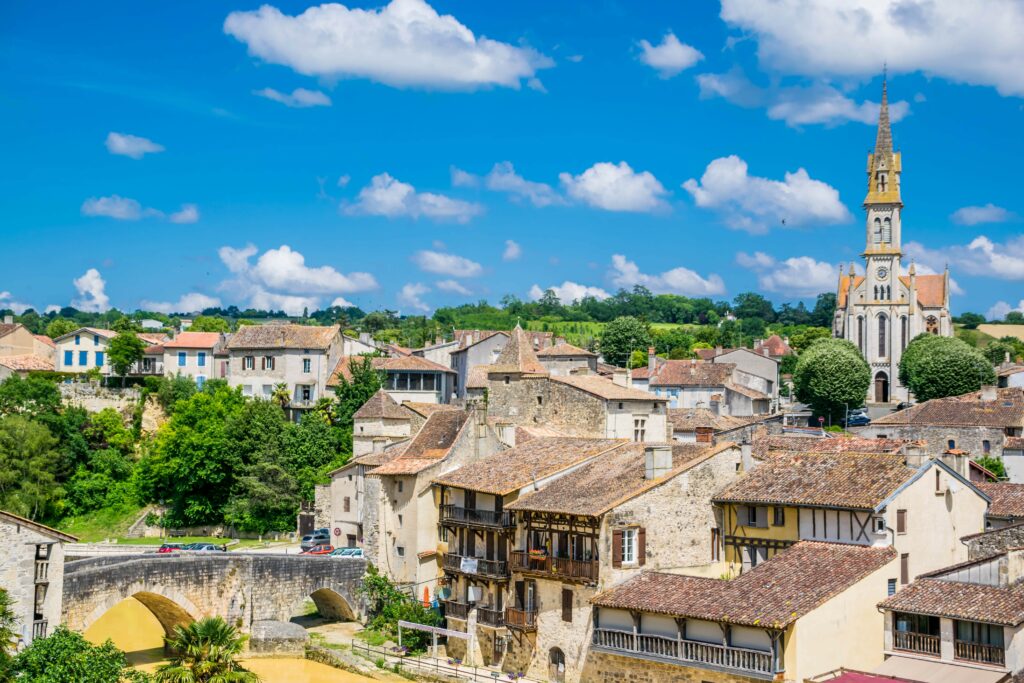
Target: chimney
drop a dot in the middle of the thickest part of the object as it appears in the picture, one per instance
(747, 455)
(1014, 567)
(988, 392)
(620, 378)
(657, 461)
(705, 435)
(652, 359)
(8, 319)
(718, 350)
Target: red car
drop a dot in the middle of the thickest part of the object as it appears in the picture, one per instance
(320, 550)
(171, 547)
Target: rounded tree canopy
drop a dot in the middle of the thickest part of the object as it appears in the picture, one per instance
(937, 367)
(831, 376)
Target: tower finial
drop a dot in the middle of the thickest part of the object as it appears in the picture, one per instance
(883, 143)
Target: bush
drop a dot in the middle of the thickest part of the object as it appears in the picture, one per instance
(831, 375)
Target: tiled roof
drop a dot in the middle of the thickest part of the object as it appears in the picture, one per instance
(967, 410)
(430, 445)
(1011, 370)
(152, 338)
(518, 355)
(784, 445)
(1007, 498)
(610, 480)
(605, 388)
(7, 328)
(380, 405)
(931, 289)
(26, 363)
(194, 340)
(861, 481)
(1014, 442)
(477, 377)
(427, 409)
(466, 338)
(689, 419)
(153, 350)
(958, 600)
(774, 594)
(687, 373)
(98, 331)
(386, 364)
(511, 470)
(746, 391)
(775, 345)
(283, 337)
(43, 338)
(564, 349)
(36, 526)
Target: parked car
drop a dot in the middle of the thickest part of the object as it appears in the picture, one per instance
(319, 550)
(205, 548)
(317, 538)
(903, 405)
(170, 548)
(858, 420)
(858, 411)
(348, 552)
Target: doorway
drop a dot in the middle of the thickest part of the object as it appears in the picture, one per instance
(881, 388)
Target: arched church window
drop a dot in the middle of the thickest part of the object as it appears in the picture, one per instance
(882, 182)
(883, 324)
(887, 230)
(904, 332)
(931, 325)
(860, 333)
(877, 233)
(876, 292)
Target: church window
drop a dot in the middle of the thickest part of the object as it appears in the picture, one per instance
(931, 325)
(904, 331)
(883, 323)
(876, 292)
(860, 333)
(887, 230)
(882, 181)
(878, 231)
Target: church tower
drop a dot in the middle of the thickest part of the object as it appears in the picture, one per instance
(883, 206)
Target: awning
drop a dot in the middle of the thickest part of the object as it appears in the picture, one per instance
(934, 671)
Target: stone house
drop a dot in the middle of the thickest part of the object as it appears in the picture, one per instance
(22, 352)
(406, 378)
(478, 532)
(476, 348)
(721, 387)
(960, 623)
(566, 359)
(808, 610)
(191, 354)
(856, 498)
(32, 572)
(640, 506)
(702, 425)
(300, 356)
(1006, 506)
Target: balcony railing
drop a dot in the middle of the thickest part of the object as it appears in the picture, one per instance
(489, 518)
(979, 652)
(38, 629)
(562, 567)
(490, 617)
(42, 571)
(522, 619)
(737, 658)
(457, 610)
(476, 566)
(921, 643)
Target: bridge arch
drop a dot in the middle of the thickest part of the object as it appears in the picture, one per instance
(330, 604)
(170, 607)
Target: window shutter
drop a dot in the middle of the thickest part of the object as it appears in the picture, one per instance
(901, 521)
(617, 548)
(567, 604)
(904, 568)
(641, 546)
(348, 504)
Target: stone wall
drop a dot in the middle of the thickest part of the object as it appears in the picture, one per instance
(561, 406)
(602, 667)
(969, 439)
(17, 575)
(995, 541)
(519, 652)
(94, 398)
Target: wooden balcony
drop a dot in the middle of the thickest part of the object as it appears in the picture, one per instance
(476, 566)
(560, 567)
(521, 619)
(42, 571)
(755, 663)
(979, 653)
(39, 629)
(919, 643)
(453, 514)
(495, 618)
(456, 610)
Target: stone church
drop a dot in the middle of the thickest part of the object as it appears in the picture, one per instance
(882, 309)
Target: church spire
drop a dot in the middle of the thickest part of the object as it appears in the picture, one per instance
(883, 142)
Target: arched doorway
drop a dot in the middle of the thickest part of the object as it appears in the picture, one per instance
(881, 387)
(556, 665)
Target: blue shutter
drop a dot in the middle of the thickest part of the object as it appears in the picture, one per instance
(181, 359)
(78, 340)
(95, 340)
(83, 358)
(69, 358)
(201, 359)
(99, 359)
(200, 381)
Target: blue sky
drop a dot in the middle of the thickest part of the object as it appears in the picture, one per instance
(414, 155)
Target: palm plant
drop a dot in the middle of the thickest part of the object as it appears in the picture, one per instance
(281, 395)
(206, 651)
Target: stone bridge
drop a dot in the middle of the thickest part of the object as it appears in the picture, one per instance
(242, 588)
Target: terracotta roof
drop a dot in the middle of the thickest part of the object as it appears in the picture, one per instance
(154, 350)
(518, 355)
(775, 345)
(283, 337)
(611, 479)
(380, 405)
(430, 445)
(1013, 442)
(1007, 499)
(686, 373)
(26, 363)
(931, 289)
(707, 354)
(967, 410)
(689, 419)
(564, 349)
(427, 409)
(511, 470)
(774, 594)
(194, 340)
(36, 526)
(7, 328)
(861, 481)
(958, 600)
(385, 364)
(1011, 370)
(746, 391)
(151, 338)
(784, 445)
(602, 387)
(607, 368)
(467, 338)
(477, 377)
(398, 350)
(43, 338)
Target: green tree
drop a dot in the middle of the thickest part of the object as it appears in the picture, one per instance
(58, 327)
(387, 606)
(312, 449)
(1015, 318)
(174, 389)
(32, 396)
(205, 651)
(752, 305)
(824, 310)
(67, 656)
(830, 376)
(937, 367)
(993, 465)
(997, 350)
(125, 350)
(126, 324)
(106, 429)
(281, 395)
(621, 337)
(970, 320)
(8, 635)
(209, 323)
(28, 458)
(807, 336)
(353, 393)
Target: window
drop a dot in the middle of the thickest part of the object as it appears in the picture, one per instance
(83, 358)
(78, 339)
(778, 516)
(951, 444)
(249, 362)
(200, 381)
(938, 481)
(307, 365)
(540, 400)
(891, 588)
(904, 622)
(883, 347)
(348, 504)
(506, 379)
(400, 551)
(268, 362)
(860, 333)
(69, 358)
(268, 390)
(246, 390)
(879, 525)
(901, 521)
(567, 605)
(716, 545)
(628, 546)
(95, 340)
(980, 634)
(931, 325)
(639, 429)
(431, 382)
(904, 332)
(181, 359)
(877, 232)
(201, 359)
(886, 224)
(400, 521)
(904, 569)
(99, 359)
(401, 485)
(986, 446)
(306, 393)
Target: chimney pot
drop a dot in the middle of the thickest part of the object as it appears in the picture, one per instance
(988, 393)
(8, 319)
(652, 359)
(657, 461)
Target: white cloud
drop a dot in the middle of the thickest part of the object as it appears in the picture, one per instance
(300, 98)
(405, 43)
(973, 215)
(52, 308)
(446, 264)
(114, 206)
(344, 180)
(797, 276)
(920, 97)
(503, 178)
(92, 294)
(512, 251)
(237, 259)
(462, 178)
(131, 145)
(981, 257)
(189, 213)
(670, 56)
(1001, 308)
(819, 103)
(616, 187)
(388, 196)
(753, 204)
(453, 286)
(567, 292)
(411, 296)
(968, 42)
(289, 303)
(342, 302)
(192, 302)
(7, 301)
(626, 274)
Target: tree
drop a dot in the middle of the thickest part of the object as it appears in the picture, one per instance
(997, 351)
(125, 350)
(993, 465)
(32, 396)
(937, 367)
(209, 323)
(28, 458)
(281, 395)
(830, 376)
(67, 656)
(1015, 318)
(824, 310)
(205, 651)
(126, 324)
(621, 337)
(8, 634)
(752, 305)
(387, 606)
(970, 320)
(353, 393)
(58, 327)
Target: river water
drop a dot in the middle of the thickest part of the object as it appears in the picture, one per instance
(134, 629)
